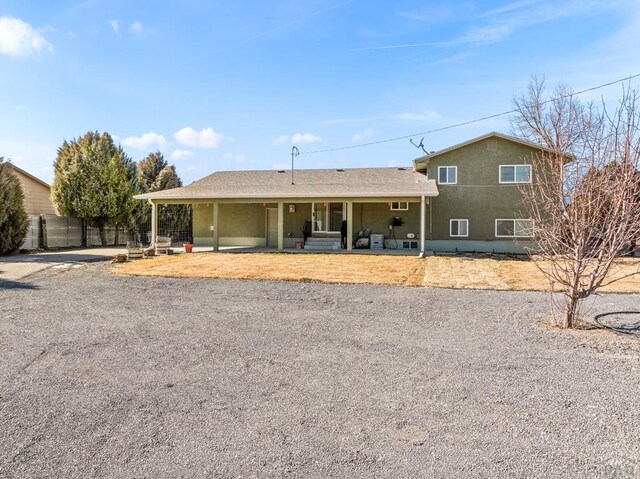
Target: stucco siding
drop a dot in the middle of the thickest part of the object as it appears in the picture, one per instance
(239, 224)
(478, 195)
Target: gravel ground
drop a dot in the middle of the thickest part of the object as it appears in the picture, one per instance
(106, 376)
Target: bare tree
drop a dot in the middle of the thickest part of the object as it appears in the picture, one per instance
(585, 194)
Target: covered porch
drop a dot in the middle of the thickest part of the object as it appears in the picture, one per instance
(309, 224)
(313, 209)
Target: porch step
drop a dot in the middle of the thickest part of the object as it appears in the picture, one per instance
(322, 243)
(322, 246)
(319, 234)
(324, 239)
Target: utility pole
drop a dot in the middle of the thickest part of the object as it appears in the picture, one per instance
(294, 152)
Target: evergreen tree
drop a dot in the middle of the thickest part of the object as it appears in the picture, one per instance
(94, 180)
(13, 215)
(155, 174)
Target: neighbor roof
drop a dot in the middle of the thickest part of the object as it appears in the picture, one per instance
(475, 140)
(348, 182)
(28, 175)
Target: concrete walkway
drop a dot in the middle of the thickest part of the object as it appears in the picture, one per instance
(19, 266)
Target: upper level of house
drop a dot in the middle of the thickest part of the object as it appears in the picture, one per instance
(493, 159)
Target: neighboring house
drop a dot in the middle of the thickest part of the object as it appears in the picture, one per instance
(463, 198)
(37, 193)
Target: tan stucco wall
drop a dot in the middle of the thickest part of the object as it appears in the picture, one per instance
(37, 197)
(294, 222)
(478, 196)
(237, 220)
(246, 222)
(378, 216)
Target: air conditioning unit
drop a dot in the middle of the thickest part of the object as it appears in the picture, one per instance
(376, 241)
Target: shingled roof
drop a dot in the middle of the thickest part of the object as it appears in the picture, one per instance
(322, 183)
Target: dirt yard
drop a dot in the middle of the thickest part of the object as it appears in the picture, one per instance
(435, 271)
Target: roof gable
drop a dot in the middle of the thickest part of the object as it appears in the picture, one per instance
(421, 161)
(28, 175)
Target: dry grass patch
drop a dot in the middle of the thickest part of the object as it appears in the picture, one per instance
(325, 268)
(503, 274)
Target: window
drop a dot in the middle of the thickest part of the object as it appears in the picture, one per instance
(514, 228)
(447, 175)
(515, 173)
(399, 205)
(458, 227)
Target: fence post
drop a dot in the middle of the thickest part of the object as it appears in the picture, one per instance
(45, 240)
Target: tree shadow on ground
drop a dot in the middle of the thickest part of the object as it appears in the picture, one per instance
(9, 284)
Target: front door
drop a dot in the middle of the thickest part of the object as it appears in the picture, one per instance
(328, 217)
(272, 227)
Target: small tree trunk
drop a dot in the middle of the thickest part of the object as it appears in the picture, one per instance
(103, 236)
(116, 240)
(571, 307)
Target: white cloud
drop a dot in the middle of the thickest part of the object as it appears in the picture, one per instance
(297, 139)
(368, 133)
(239, 159)
(305, 138)
(180, 155)
(427, 115)
(115, 25)
(19, 39)
(137, 28)
(145, 141)
(280, 166)
(205, 138)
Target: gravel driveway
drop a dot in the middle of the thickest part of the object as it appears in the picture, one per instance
(105, 376)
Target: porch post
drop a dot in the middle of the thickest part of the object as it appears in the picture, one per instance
(423, 210)
(349, 226)
(280, 226)
(216, 236)
(154, 222)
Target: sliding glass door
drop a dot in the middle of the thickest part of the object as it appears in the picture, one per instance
(328, 217)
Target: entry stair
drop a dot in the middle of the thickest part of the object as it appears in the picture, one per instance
(323, 242)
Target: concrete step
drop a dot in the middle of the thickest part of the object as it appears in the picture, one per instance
(324, 239)
(322, 246)
(320, 234)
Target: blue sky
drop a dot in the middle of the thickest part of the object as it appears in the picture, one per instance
(219, 85)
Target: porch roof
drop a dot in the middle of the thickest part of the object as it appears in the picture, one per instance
(346, 183)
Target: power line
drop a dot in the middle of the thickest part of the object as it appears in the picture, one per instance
(464, 123)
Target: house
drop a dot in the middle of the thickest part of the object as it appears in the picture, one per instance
(462, 198)
(37, 193)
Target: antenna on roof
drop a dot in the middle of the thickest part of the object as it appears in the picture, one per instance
(419, 145)
(294, 152)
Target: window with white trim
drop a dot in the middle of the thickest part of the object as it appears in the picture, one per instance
(514, 228)
(515, 173)
(399, 205)
(447, 175)
(459, 228)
